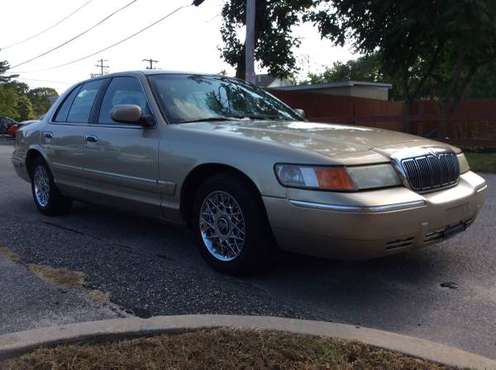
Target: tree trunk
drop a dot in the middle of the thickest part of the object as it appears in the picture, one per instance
(241, 66)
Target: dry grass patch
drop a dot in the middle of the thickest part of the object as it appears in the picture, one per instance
(69, 279)
(9, 254)
(99, 297)
(220, 349)
(62, 277)
(59, 276)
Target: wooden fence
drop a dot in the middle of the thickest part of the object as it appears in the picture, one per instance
(472, 125)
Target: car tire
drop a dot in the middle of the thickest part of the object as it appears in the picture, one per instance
(46, 195)
(231, 227)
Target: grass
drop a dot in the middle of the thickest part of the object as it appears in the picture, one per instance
(69, 279)
(482, 162)
(9, 254)
(60, 276)
(220, 349)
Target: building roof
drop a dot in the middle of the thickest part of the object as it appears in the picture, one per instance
(332, 85)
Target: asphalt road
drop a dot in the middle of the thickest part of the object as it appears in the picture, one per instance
(446, 293)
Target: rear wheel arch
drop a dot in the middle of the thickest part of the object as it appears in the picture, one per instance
(203, 172)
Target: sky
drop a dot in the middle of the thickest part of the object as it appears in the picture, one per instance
(187, 41)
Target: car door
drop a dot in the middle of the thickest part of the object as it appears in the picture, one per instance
(121, 160)
(63, 137)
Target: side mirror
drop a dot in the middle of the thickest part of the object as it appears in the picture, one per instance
(130, 113)
(301, 112)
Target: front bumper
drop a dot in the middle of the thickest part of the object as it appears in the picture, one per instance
(372, 223)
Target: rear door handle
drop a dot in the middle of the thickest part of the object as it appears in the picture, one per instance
(91, 139)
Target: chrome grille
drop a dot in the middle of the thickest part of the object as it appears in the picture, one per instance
(431, 171)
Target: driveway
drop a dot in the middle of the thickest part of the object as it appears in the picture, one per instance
(446, 293)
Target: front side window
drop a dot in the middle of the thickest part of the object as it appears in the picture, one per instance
(186, 98)
(81, 107)
(122, 90)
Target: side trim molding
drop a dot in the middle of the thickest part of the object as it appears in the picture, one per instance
(359, 209)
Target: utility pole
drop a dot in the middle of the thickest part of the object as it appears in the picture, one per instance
(150, 62)
(250, 41)
(102, 66)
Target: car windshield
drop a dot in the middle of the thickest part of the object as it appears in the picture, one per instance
(190, 98)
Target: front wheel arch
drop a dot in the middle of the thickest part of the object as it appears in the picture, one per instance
(202, 173)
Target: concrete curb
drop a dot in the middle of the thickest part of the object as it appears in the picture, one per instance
(25, 341)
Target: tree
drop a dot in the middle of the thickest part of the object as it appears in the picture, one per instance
(273, 34)
(18, 101)
(24, 108)
(40, 99)
(425, 44)
(483, 85)
(4, 67)
(8, 101)
(366, 68)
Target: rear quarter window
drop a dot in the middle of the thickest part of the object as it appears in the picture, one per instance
(63, 110)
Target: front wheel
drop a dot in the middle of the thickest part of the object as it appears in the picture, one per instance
(231, 227)
(47, 197)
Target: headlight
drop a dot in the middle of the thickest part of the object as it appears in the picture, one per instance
(373, 177)
(463, 163)
(337, 178)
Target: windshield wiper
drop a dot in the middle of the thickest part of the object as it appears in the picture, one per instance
(213, 119)
(260, 118)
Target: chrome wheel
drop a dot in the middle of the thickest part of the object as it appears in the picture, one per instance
(41, 183)
(222, 226)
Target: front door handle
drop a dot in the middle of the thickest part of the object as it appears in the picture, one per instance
(91, 139)
(48, 135)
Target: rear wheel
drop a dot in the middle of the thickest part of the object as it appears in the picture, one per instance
(46, 196)
(230, 225)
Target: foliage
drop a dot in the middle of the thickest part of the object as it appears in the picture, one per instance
(369, 68)
(273, 33)
(17, 101)
(24, 108)
(4, 67)
(8, 102)
(366, 68)
(484, 83)
(39, 98)
(430, 47)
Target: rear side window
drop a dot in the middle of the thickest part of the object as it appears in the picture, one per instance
(83, 102)
(63, 111)
(122, 90)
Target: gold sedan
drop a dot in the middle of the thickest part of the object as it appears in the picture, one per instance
(244, 170)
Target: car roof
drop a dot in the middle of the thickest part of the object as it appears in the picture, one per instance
(147, 72)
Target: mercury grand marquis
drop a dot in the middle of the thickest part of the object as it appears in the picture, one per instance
(246, 172)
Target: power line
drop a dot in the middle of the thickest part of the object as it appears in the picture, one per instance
(48, 28)
(150, 62)
(37, 80)
(77, 36)
(115, 43)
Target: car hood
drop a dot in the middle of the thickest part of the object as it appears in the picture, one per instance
(322, 138)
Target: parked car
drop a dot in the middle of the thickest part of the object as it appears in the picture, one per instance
(5, 123)
(244, 170)
(12, 130)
